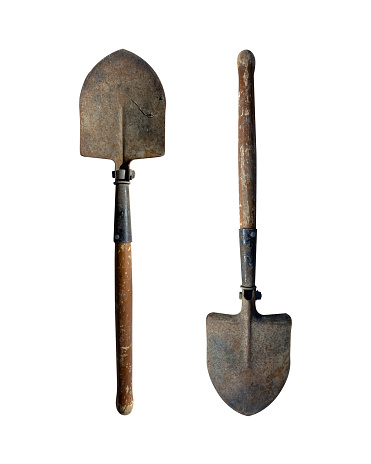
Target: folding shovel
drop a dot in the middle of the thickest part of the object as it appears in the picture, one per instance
(122, 118)
(248, 355)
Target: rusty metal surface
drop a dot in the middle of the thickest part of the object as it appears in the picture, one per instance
(122, 110)
(248, 355)
(122, 117)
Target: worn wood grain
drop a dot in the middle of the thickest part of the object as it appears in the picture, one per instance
(124, 305)
(246, 140)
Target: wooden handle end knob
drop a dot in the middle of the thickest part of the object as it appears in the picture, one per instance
(246, 58)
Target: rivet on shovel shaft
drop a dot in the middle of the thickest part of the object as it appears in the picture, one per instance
(248, 355)
(122, 118)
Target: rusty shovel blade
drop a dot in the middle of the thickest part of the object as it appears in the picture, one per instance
(248, 355)
(122, 110)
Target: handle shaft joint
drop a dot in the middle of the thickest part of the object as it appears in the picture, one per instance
(122, 229)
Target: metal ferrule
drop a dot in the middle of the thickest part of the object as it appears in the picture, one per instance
(123, 176)
(248, 257)
(122, 231)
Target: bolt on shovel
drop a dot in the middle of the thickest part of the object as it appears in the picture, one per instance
(248, 354)
(122, 118)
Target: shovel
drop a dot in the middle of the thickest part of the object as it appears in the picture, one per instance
(248, 354)
(122, 118)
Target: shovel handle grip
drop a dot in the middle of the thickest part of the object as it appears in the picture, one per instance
(123, 299)
(246, 140)
(124, 305)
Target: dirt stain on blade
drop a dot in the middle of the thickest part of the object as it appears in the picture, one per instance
(122, 110)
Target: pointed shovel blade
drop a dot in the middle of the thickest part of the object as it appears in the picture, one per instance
(248, 357)
(122, 110)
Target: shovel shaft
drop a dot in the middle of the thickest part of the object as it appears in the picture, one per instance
(124, 401)
(246, 140)
(123, 299)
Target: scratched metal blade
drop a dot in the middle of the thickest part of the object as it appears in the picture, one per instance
(122, 110)
(248, 357)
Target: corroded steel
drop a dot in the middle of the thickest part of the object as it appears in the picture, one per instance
(122, 117)
(122, 110)
(248, 354)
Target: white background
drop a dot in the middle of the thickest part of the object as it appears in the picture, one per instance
(57, 340)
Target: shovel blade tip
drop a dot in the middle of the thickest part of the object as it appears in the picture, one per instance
(248, 357)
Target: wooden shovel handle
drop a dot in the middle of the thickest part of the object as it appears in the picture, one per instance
(246, 140)
(123, 295)
(124, 306)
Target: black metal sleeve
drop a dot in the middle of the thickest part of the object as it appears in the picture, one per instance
(248, 257)
(122, 231)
